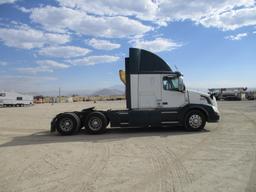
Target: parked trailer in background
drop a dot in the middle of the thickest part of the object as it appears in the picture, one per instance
(229, 94)
(11, 99)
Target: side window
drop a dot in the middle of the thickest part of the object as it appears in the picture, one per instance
(170, 83)
(19, 98)
(166, 83)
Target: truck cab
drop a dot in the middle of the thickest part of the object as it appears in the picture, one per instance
(155, 96)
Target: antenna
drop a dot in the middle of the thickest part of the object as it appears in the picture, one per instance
(176, 68)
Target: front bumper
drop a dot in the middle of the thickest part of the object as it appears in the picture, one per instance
(213, 115)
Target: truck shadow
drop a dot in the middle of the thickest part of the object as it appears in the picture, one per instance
(112, 134)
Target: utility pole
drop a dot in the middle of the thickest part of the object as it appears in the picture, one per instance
(59, 94)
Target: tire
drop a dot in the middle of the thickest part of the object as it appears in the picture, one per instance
(68, 124)
(195, 120)
(96, 123)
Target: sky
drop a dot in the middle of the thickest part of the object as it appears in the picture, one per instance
(81, 44)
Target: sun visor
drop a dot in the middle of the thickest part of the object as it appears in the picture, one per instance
(122, 76)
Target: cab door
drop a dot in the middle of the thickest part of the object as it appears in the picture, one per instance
(171, 96)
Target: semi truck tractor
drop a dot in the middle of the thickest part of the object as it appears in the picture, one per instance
(155, 96)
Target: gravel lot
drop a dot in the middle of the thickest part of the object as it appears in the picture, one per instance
(220, 158)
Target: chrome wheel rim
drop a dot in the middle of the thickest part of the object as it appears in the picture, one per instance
(66, 124)
(95, 124)
(195, 121)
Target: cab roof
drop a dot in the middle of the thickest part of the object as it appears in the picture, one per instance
(141, 61)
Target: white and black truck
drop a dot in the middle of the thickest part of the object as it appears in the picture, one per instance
(155, 96)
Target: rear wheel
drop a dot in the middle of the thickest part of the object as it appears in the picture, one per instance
(68, 124)
(96, 123)
(195, 120)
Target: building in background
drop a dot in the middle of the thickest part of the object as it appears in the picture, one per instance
(39, 99)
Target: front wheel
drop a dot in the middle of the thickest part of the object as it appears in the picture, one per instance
(195, 120)
(96, 123)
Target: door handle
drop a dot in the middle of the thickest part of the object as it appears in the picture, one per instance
(165, 103)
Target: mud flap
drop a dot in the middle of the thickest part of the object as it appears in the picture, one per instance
(53, 129)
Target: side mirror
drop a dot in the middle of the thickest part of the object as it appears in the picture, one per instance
(181, 88)
(181, 85)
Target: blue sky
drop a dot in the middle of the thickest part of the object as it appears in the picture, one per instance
(81, 45)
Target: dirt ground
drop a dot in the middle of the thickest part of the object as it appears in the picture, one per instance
(220, 158)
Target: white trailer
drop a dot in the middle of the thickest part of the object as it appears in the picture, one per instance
(155, 96)
(10, 99)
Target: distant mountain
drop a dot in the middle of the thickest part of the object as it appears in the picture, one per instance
(113, 90)
(108, 92)
(118, 87)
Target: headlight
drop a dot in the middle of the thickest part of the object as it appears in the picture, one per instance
(215, 109)
(214, 102)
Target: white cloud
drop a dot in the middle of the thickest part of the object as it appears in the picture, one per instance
(93, 60)
(61, 19)
(194, 10)
(142, 9)
(237, 37)
(223, 14)
(45, 66)
(27, 38)
(157, 45)
(232, 19)
(103, 44)
(107, 18)
(23, 9)
(52, 64)
(34, 70)
(7, 1)
(3, 63)
(63, 51)
(254, 32)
